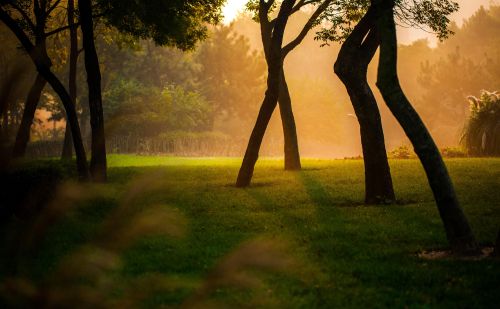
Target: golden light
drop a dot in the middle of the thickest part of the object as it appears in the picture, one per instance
(232, 9)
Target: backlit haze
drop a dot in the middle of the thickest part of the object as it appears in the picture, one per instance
(467, 8)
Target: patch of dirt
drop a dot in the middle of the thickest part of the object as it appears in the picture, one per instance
(486, 252)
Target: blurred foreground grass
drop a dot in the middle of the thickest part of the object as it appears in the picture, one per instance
(345, 254)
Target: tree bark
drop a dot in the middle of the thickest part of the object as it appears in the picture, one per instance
(275, 64)
(67, 152)
(458, 231)
(98, 164)
(351, 67)
(291, 145)
(292, 155)
(23, 134)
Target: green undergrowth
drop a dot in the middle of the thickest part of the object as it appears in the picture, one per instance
(346, 254)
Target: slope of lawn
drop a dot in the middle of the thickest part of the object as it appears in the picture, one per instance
(345, 255)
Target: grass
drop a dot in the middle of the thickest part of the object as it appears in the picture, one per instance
(347, 255)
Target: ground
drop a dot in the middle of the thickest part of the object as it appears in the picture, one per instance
(339, 253)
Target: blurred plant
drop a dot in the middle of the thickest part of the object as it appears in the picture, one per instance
(402, 152)
(453, 152)
(89, 275)
(482, 132)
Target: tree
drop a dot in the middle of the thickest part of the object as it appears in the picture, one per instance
(231, 76)
(351, 67)
(272, 32)
(67, 152)
(38, 54)
(98, 163)
(457, 228)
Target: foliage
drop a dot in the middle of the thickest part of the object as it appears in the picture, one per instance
(402, 152)
(27, 186)
(342, 15)
(135, 109)
(170, 23)
(453, 152)
(231, 76)
(482, 132)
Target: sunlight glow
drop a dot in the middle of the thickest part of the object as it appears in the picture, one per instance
(232, 9)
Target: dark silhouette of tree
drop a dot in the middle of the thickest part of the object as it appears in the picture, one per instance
(67, 152)
(351, 67)
(458, 231)
(272, 37)
(98, 164)
(16, 16)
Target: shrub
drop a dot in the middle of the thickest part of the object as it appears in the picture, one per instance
(27, 186)
(402, 152)
(453, 152)
(482, 133)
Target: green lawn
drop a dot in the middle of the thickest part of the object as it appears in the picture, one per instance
(345, 255)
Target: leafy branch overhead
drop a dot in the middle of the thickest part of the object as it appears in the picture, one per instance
(169, 23)
(429, 15)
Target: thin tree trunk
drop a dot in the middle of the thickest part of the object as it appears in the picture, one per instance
(458, 230)
(23, 134)
(67, 152)
(351, 67)
(292, 155)
(38, 55)
(98, 164)
(275, 64)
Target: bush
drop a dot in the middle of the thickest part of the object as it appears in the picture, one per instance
(453, 152)
(28, 186)
(482, 132)
(402, 152)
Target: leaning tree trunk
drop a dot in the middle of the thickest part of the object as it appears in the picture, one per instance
(67, 152)
(23, 134)
(457, 227)
(351, 67)
(38, 55)
(98, 164)
(291, 145)
(292, 155)
(275, 63)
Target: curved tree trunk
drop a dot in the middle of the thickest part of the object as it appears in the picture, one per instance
(23, 134)
(98, 164)
(291, 145)
(67, 152)
(351, 67)
(457, 227)
(38, 55)
(275, 64)
(292, 155)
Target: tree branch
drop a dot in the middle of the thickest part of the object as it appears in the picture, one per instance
(53, 7)
(310, 23)
(23, 14)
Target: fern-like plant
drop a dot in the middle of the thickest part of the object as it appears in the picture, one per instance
(482, 132)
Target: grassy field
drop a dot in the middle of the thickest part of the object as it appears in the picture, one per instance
(345, 254)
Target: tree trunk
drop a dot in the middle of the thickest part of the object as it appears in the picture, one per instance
(98, 164)
(292, 156)
(275, 65)
(67, 152)
(38, 55)
(457, 227)
(351, 67)
(23, 134)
